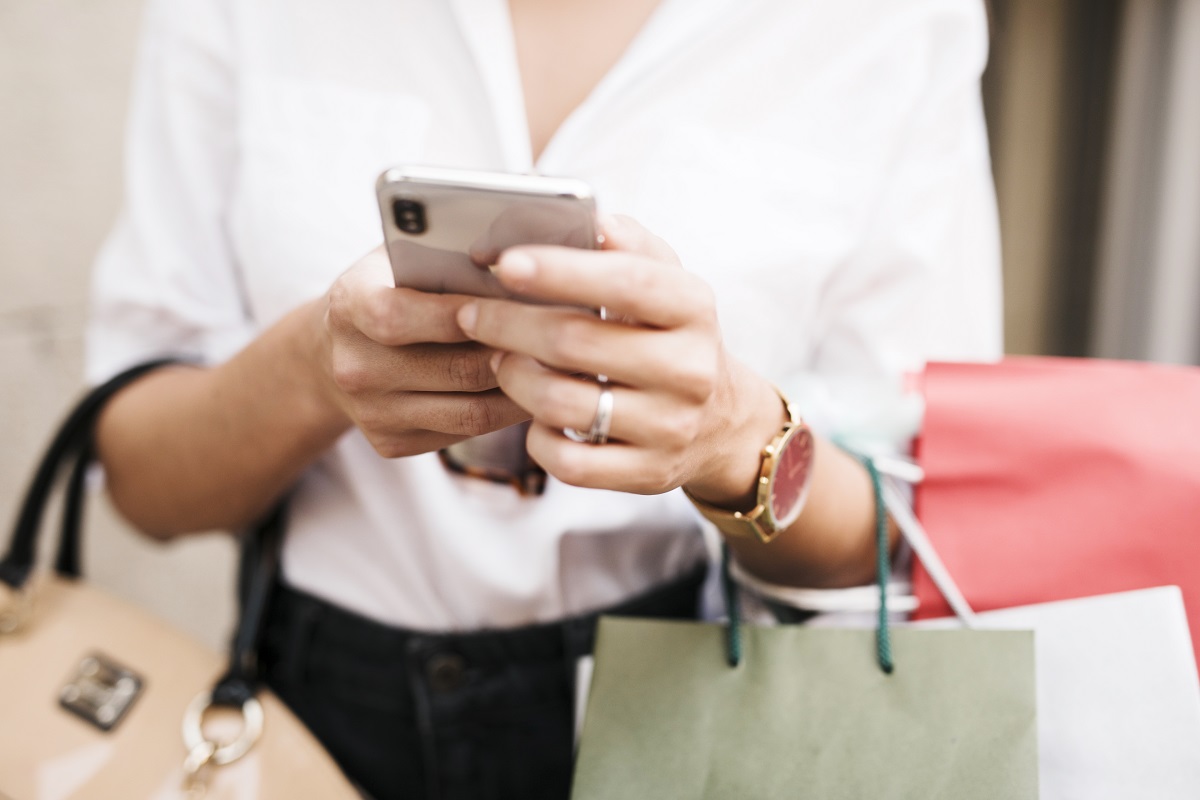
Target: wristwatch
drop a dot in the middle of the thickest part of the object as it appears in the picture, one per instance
(783, 481)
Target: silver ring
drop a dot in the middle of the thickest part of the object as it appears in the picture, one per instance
(602, 422)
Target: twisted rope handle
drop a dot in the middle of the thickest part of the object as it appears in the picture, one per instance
(883, 637)
(883, 568)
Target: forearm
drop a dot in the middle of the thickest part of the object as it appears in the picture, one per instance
(193, 449)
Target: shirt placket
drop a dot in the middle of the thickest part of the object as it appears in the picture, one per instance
(487, 31)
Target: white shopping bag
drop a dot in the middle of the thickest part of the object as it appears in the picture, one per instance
(1118, 696)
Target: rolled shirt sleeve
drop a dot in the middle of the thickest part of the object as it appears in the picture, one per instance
(924, 283)
(165, 281)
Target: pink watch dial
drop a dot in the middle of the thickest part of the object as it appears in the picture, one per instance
(793, 467)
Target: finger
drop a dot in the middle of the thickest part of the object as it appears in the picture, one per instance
(561, 401)
(556, 224)
(401, 444)
(628, 284)
(574, 341)
(614, 466)
(625, 233)
(458, 414)
(369, 367)
(364, 299)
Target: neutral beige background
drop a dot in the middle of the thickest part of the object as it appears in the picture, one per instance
(64, 76)
(1025, 118)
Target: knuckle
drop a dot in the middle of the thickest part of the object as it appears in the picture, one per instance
(660, 486)
(694, 425)
(554, 404)
(672, 477)
(337, 309)
(570, 467)
(574, 341)
(660, 478)
(335, 300)
(390, 446)
(637, 284)
(372, 420)
(350, 374)
(381, 318)
(679, 429)
(466, 370)
(475, 417)
(696, 378)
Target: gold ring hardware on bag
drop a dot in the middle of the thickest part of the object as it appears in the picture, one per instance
(196, 768)
(204, 753)
(224, 752)
(16, 612)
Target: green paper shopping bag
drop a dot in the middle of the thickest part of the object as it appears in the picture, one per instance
(712, 712)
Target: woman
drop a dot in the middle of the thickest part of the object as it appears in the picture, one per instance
(816, 179)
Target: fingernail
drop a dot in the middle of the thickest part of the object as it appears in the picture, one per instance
(494, 361)
(467, 316)
(516, 266)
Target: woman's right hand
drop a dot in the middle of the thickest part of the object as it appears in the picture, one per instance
(395, 362)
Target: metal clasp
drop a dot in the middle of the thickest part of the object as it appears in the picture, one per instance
(101, 691)
(205, 753)
(196, 769)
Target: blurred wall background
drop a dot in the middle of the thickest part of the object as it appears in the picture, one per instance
(1094, 111)
(64, 78)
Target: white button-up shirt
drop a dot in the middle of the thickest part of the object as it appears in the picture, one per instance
(822, 165)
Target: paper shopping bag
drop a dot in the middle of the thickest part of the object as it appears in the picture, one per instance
(807, 713)
(1118, 697)
(1047, 479)
(710, 712)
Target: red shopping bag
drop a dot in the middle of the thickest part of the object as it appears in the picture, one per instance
(1049, 478)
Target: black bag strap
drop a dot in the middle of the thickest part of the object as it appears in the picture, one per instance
(72, 451)
(258, 569)
(72, 445)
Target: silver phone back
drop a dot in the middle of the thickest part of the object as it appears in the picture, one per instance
(470, 218)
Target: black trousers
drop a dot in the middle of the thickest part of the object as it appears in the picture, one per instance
(476, 716)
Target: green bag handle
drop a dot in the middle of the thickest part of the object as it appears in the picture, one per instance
(883, 639)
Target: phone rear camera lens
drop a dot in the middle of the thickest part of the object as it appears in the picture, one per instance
(409, 216)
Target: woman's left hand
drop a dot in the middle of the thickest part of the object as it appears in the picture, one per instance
(685, 412)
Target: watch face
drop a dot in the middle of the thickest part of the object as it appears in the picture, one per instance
(793, 468)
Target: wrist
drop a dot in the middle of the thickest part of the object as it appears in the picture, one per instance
(785, 468)
(730, 478)
(309, 367)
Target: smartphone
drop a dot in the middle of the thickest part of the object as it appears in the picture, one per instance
(445, 227)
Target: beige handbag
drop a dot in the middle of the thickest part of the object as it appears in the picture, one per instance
(99, 699)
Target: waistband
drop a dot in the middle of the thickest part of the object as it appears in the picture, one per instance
(303, 629)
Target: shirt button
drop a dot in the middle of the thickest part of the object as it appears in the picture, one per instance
(446, 672)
